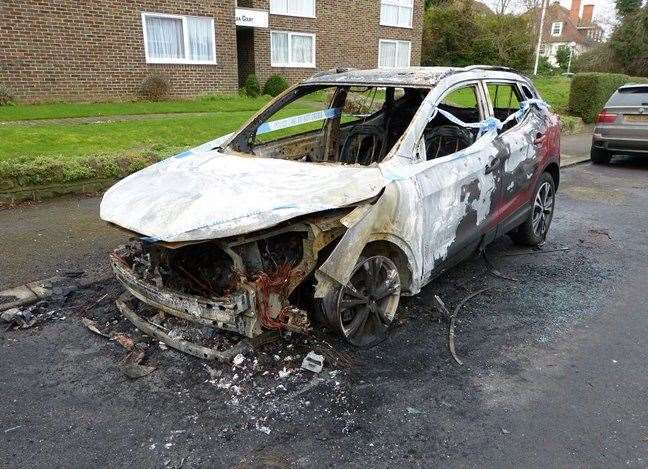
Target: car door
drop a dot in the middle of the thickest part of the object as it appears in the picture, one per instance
(516, 143)
(458, 190)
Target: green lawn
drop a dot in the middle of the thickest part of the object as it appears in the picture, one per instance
(56, 152)
(555, 91)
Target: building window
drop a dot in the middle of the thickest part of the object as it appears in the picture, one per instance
(556, 28)
(396, 13)
(304, 8)
(394, 53)
(175, 39)
(292, 49)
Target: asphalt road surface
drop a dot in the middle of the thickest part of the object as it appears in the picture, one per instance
(555, 368)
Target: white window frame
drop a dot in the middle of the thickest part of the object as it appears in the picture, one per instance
(185, 38)
(395, 41)
(398, 3)
(553, 28)
(287, 13)
(290, 63)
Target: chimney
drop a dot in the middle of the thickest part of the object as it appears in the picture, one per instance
(574, 12)
(588, 12)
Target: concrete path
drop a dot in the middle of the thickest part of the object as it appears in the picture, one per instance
(576, 148)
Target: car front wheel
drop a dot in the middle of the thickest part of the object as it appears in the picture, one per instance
(364, 308)
(533, 231)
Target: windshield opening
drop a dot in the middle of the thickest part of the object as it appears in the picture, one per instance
(342, 124)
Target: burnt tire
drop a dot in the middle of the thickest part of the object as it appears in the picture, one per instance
(533, 231)
(600, 156)
(362, 310)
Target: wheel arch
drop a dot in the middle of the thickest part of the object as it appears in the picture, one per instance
(390, 248)
(554, 171)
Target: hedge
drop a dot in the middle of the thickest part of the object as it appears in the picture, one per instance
(275, 85)
(590, 91)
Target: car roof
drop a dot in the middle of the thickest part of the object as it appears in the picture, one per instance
(423, 77)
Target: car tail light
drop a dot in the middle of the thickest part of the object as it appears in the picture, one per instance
(605, 117)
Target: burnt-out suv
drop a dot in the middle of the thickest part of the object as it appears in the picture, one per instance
(345, 192)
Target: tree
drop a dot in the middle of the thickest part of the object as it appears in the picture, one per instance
(627, 7)
(562, 57)
(629, 42)
(456, 34)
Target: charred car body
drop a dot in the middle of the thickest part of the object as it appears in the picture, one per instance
(345, 192)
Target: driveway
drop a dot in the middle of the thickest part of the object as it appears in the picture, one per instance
(555, 370)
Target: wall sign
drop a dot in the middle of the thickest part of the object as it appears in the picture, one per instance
(251, 17)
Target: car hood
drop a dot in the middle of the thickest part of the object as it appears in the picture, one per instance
(206, 195)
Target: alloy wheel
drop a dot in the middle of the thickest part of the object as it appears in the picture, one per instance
(543, 207)
(367, 303)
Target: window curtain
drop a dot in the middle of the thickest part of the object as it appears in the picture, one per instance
(403, 54)
(200, 32)
(278, 6)
(279, 48)
(164, 38)
(301, 7)
(389, 14)
(396, 13)
(387, 54)
(405, 17)
(302, 49)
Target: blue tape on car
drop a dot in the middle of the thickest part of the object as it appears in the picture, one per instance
(298, 120)
(184, 154)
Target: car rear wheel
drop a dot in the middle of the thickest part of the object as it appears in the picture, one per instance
(533, 231)
(600, 156)
(364, 308)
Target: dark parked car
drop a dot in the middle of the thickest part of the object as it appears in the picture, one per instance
(347, 191)
(622, 125)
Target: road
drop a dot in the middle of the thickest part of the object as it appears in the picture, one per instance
(555, 371)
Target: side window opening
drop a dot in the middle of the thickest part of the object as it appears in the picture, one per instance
(343, 124)
(528, 94)
(444, 137)
(506, 99)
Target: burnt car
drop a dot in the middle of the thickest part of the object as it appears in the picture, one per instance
(622, 125)
(342, 194)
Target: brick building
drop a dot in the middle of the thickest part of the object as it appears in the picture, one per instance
(53, 50)
(564, 27)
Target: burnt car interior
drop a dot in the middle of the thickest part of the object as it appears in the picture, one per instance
(356, 124)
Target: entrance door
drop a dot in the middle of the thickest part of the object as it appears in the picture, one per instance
(245, 53)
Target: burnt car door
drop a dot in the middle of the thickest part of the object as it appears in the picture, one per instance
(517, 144)
(458, 188)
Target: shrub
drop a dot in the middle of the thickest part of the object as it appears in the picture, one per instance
(590, 91)
(6, 98)
(275, 85)
(251, 86)
(154, 88)
(545, 68)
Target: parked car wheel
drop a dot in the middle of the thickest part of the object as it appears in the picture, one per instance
(365, 307)
(600, 156)
(533, 231)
